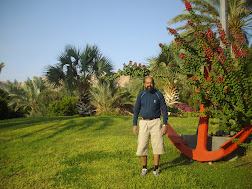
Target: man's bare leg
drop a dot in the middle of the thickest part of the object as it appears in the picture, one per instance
(156, 159)
(156, 164)
(144, 163)
(144, 160)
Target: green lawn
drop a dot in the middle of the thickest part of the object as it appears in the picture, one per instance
(99, 152)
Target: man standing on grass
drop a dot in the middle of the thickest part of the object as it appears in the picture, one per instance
(149, 102)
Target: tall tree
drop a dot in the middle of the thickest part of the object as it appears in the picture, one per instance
(75, 71)
(165, 78)
(238, 13)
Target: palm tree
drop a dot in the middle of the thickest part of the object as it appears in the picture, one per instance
(108, 98)
(102, 97)
(25, 96)
(166, 69)
(239, 11)
(208, 10)
(1, 66)
(75, 70)
(165, 78)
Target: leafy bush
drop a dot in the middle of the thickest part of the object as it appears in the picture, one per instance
(4, 110)
(7, 112)
(109, 100)
(64, 107)
(134, 70)
(225, 85)
(46, 98)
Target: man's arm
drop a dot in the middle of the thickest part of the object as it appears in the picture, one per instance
(164, 109)
(165, 115)
(136, 113)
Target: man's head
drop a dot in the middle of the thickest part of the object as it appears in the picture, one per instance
(149, 83)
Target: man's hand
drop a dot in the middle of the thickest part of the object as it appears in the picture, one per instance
(135, 129)
(164, 130)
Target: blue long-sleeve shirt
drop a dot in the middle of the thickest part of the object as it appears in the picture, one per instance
(149, 103)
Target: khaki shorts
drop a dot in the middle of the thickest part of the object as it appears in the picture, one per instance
(153, 129)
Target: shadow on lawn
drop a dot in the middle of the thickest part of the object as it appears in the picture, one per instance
(30, 122)
(54, 126)
(79, 125)
(180, 161)
(98, 123)
(19, 123)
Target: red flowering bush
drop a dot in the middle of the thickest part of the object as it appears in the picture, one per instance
(134, 70)
(46, 98)
(225, 84)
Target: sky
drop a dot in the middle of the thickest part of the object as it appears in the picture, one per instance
(35, 32)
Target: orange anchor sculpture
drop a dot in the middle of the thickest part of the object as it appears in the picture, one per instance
(200, 153)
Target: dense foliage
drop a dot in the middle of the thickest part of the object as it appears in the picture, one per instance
(46, 98)
(134, 70)
(224, 86)
(111, 100)
(63, 107)
(76, 70)
(4, 110)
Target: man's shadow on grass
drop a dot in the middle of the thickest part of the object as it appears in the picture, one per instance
(182, 160)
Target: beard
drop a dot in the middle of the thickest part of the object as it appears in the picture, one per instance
(149, 88)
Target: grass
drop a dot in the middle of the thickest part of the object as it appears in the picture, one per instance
(99, 152)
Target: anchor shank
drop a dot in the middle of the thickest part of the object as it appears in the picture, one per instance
(202, 134)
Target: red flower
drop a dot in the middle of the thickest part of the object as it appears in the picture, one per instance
(173, 31)
(154, 69)
(209, 33)
(194, 78)
(130, 61)
(139, 64)
(160, 44)
(220, 50)
(124, 64)
(171, 65)
(244, 52)
(188, 5)
(190, 22)
(182, 55)
(209, 52)
(135, 65)
(220, 79)
(143, 65)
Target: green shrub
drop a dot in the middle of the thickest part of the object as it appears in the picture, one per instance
(46, 97)
(4, 110)
(64, 107)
